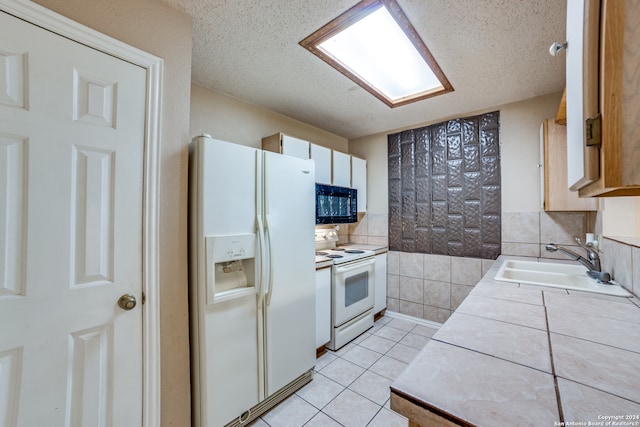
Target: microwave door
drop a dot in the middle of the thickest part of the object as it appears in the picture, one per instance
(335, 205)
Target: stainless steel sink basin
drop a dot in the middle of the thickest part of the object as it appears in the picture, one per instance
(555, 275)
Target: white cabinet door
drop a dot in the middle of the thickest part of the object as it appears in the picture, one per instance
(380, 301)
(582, 90)
(341, 169)
(359, 181)
(322, 156)
(295, 147)
(323, 306)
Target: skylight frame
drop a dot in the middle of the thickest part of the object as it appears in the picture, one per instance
(355, 14)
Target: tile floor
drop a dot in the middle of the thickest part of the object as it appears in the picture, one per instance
(350, 387)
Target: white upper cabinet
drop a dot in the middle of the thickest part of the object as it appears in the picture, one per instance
(285, 144)
(322, 156)
(582, 91)
(332, 167)
(359, 181)
(295, 147)
(341, 169)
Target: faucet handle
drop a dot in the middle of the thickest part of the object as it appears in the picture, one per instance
(588, 247)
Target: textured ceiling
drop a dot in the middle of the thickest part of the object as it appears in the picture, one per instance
(493, 52)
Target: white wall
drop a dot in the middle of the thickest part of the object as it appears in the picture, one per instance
(233, 120)
(520, 153)
(621, 217)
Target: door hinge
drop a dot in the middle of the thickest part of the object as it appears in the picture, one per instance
(593, 127)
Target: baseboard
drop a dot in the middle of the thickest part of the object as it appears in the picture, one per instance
(423, 322)
(272, 401)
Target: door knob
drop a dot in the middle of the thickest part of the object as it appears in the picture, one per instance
(127, 302)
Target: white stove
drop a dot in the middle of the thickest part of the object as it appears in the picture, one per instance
(352, 287)
(326, 240)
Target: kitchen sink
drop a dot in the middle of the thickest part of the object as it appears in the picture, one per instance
(556, 275)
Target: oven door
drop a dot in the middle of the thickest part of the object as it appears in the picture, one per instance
(353, 287)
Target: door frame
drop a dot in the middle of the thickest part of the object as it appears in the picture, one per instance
(56, 23)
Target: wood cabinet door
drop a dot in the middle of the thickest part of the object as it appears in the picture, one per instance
(557, 196)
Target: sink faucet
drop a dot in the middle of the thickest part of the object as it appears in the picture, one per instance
(592, 262)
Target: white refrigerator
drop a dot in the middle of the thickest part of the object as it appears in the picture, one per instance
(252, 279)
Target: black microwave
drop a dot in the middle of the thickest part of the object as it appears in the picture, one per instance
(336, 205)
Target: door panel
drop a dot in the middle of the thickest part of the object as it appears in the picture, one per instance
(71, 175)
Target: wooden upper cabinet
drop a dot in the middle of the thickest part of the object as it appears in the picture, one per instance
(556, 194)
(619, 101)
(561, 116)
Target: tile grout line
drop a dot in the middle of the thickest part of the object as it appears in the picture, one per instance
(380, 407)
(406, 332)
(491, 355)
(553, 367)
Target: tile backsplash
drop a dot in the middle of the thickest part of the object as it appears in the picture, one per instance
(527, 233)
(622, 261)
(371, 229)
(431, 286)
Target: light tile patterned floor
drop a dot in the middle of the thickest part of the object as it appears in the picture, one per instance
(351, 386)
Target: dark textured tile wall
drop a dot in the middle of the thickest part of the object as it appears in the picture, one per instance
(444, 188)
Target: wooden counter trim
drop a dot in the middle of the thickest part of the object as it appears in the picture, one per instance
(320, 265)
(561, 115)
(421, 413)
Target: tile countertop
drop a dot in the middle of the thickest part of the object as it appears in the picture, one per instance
(527, 356)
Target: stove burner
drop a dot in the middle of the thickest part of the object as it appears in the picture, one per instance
(354, 251)
(321, 253)
(334, 256)
(338, 249)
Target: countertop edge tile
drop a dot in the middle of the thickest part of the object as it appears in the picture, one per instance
(465, 386)
(576, 360)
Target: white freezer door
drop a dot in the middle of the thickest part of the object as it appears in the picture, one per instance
(229, 181)
(290, 301)
(228, 375)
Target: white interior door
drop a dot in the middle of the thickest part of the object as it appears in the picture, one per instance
(71, 176)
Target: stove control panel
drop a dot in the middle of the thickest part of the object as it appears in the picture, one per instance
(326, 235)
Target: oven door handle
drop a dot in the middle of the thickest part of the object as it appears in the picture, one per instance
(355, 265)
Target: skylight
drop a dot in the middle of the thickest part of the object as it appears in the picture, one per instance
(374, 45)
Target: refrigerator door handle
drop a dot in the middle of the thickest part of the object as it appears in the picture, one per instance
(261, 261)
(268, 263)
